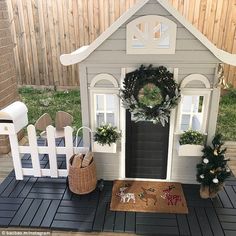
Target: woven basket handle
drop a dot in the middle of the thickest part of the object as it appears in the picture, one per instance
(90, 138)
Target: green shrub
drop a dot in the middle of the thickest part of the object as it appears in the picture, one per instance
(226, 124)
(106, 134)
(229, 97)
(50, 101)
(191, 137)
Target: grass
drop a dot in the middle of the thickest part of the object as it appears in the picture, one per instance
(226, 124)
(50, 101)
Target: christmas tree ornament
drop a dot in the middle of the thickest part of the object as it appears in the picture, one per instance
(212, 171)
(202, 176)
(205, 160)
(215, 181)
(215, 152)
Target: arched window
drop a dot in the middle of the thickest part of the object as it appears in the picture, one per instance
(151, 35)
(193, 108)
(104, 100)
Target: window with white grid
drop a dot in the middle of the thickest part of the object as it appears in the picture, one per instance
(192, 112)
(105, 109)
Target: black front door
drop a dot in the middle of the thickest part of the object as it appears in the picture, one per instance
(146, 149)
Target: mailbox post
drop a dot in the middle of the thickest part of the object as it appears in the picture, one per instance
(13, 118)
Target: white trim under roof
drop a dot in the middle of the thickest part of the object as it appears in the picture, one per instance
(83, 52)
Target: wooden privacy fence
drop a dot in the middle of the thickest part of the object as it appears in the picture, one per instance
(35, 150)
(42, 30)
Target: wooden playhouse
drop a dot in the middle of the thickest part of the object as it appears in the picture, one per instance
(151, 32)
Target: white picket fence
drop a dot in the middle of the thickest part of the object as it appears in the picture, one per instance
(34, 150)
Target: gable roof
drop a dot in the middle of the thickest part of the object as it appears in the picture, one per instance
(83, 52)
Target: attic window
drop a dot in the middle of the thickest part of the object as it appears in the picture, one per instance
(151, 35)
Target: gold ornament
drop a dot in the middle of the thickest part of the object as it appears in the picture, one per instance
(221, 79)
(215, 152)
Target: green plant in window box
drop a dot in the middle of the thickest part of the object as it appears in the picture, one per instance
(191, 143)
(106, 135)
(191, 137)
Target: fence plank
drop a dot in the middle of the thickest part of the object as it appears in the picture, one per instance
(57, 42)
(34, 150)
(101, 18)
(15, 152)
(44, 69)
(217, 28)
(50, 8)
(24, 41)
(28, 40)
(96, 19)
(14, 39)
(72, 39)
(52, 151)
(62, 40)
(33, 42)
(67, 39)
(91, 21)
(68, 144)
(48, 43)
(43, 30)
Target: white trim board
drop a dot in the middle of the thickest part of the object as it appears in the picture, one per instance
(82, 53)
(182, 181)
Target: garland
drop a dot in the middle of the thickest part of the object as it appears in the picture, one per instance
(168, 98)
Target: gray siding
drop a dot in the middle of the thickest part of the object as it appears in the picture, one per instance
(188, 48)
(107, 166)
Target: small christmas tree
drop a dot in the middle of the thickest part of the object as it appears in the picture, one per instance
(213, 170)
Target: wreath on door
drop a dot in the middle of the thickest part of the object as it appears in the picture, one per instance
(150, 93)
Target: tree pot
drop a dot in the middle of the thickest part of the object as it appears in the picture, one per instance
(210, 191)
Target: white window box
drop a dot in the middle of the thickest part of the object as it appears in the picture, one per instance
(190, 150)
(104, 148)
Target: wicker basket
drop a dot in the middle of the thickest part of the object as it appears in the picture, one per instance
(81, 180)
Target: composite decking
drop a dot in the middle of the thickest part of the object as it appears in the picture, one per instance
(48, 204)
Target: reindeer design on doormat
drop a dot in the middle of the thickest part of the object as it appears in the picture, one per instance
(172, 199)
(123, 196)
(148, 194)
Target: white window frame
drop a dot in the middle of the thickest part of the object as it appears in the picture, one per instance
(103, 91)
(150, 43)
(205, 92)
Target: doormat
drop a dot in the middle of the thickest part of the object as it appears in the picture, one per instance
(147, 196)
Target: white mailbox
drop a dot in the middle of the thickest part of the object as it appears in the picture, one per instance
(15, 113)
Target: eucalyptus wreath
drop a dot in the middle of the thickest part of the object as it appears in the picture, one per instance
(169, 94)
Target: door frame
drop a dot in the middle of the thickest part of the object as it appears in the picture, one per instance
(122, 166)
